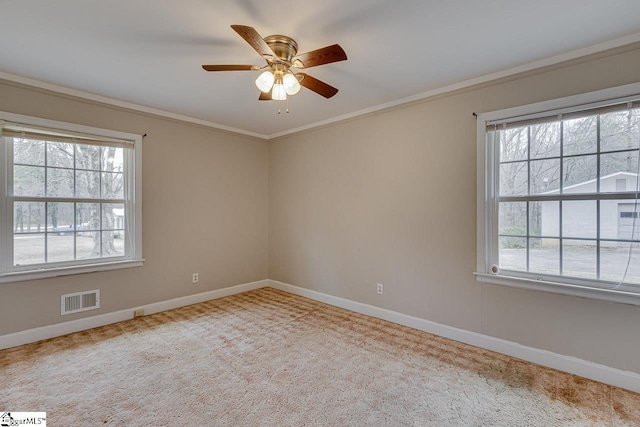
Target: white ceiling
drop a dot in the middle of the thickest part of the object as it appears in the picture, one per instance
(150, 52)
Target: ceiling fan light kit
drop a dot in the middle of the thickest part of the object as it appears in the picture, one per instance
(280, 81)
(281, 53)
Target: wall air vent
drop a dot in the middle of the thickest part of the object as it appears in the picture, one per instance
(79, 301)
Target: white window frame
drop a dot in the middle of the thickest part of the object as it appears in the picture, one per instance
(487, 209)
(133, 206)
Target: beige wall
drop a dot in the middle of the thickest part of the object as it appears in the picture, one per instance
(391, 198)
(388, 198)
(204, 210)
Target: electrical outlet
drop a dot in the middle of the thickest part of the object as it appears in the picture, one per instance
(138, 312)
(380, 288)
(195, 278)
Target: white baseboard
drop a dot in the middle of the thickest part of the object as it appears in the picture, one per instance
(605, 374)
(59, 329)
(601, 373)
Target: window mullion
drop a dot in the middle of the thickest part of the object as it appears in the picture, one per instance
(101, 206)
(46, 204)
(598, 154)
(560, 245)
(560, 239)
(598, 166)
(598, 239)
(75, 203)
(75, 229)
(528, 234)
(64, 200)
(101, 228)
(6, 205)
(128, 211)
(495, 191)
(561, 156)
(629, 195)
(528, 242)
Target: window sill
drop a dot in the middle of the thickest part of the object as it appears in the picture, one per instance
(66, 271)
(610, 295)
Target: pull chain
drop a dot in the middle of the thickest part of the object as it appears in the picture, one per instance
(287, 109)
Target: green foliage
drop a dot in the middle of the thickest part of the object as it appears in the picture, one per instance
(514, 242)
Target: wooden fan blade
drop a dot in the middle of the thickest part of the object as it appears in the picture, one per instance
(251, 36)
(326, 55)
(318, 86)
(265, 96)
(228, 67)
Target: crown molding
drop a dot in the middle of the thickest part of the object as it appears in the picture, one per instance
(476, 81)
(64, 90)
(555, 60)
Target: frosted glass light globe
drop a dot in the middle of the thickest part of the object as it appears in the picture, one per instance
(291, 84)
(265, 81)
(278, 93)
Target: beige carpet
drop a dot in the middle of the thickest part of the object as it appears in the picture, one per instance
(268, 358)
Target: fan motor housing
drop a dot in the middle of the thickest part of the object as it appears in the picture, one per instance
(285, 47)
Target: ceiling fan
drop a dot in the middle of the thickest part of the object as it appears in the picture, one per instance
(278, 78)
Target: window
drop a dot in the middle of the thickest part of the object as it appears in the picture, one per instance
(69, 197)
(628, 214)
(558, 199)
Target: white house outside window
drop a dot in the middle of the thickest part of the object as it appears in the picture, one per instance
(558, 195)
(70, 198)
